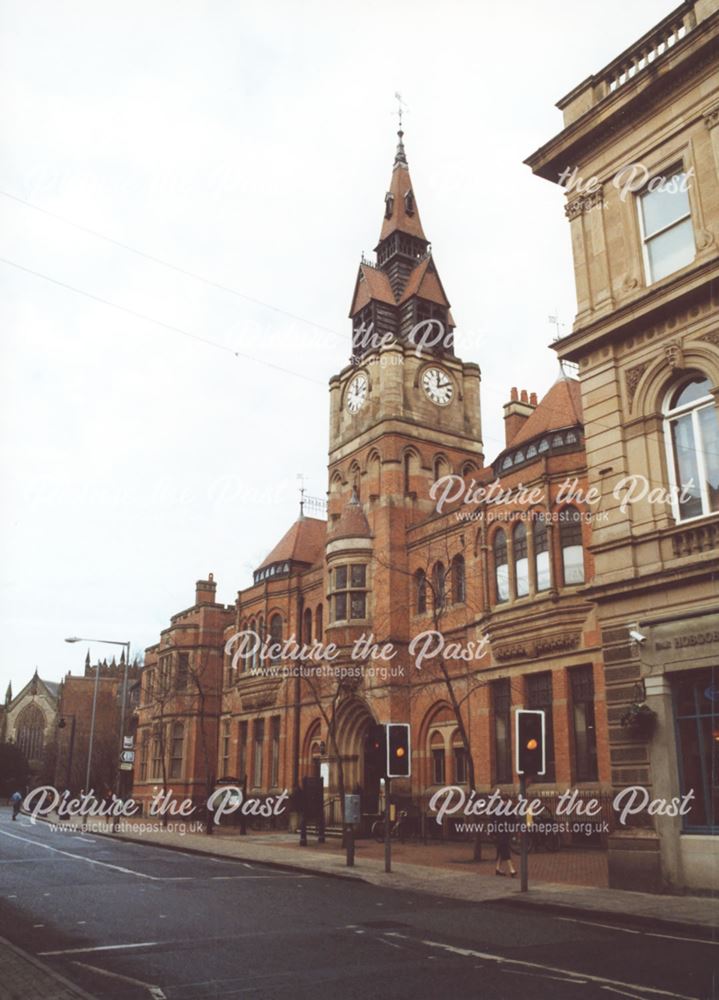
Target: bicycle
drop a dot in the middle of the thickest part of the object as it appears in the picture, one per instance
(401, 829)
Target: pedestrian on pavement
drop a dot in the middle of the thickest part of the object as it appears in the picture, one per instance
(16, 800)
(504, 836)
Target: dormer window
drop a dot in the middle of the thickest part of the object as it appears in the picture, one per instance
(409, 202)
(388, 205)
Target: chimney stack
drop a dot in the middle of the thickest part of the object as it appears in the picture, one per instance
(205, 590)
(519, 408)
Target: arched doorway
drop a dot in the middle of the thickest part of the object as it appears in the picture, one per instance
(354, 720)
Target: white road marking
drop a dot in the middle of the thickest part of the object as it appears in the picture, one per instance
(623, 992)
(593, 923)
(539, 975)
(501, 960)
(80, 857)
(102, 947)
(85, 840)
(38, 925)
(247, 878)
(246, 865)
(627, 930)
(153, 990)
(677, 937)
(390, 943)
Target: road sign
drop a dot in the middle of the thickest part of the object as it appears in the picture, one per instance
(127, 757)
(125, 767)
(128, 742)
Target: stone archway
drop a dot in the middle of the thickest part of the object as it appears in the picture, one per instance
(354, 719)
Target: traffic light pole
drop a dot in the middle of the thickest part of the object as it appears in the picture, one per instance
(523, 873)
(387, 842)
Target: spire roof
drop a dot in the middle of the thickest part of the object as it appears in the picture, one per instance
(352, 522)
(401, 211)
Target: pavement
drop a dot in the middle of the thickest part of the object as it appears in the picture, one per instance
(128, 919)
(453, 876)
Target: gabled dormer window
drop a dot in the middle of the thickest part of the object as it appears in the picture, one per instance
(388, 205)
(409, 202)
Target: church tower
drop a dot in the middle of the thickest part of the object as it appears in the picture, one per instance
(404, 412)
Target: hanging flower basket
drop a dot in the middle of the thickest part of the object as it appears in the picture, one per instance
(639, 719)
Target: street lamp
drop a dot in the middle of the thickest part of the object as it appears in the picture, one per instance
(108, 642)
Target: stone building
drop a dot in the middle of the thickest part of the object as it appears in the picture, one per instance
(29, 721)
(639, 157)
(501, 574)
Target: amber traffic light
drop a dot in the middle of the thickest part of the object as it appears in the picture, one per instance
(530, 745)
(399, 757)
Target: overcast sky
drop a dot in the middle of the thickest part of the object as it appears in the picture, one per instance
(250, 144)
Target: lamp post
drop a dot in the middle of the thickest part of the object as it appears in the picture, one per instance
(108, 642)
(61, 725)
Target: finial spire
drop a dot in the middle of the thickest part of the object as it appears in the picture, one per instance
(400, 156)
(301, 478)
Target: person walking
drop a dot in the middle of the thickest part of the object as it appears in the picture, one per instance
(16, 801)
(504, 836)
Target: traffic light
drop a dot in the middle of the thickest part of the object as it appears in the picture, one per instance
(399, 757)
(376, 748)
(530, 743)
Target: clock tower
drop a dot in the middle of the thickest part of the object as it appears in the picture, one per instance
(405, 402)
(404, 412)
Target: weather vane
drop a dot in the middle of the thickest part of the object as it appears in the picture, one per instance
(301, 478)
(401, 107)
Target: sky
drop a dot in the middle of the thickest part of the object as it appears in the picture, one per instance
(154, 418)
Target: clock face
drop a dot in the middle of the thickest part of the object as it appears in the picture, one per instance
(438, 386)
(357, 392)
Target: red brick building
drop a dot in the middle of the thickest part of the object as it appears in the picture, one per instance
(499, 574)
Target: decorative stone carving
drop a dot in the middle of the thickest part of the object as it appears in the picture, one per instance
(711, 117)
(584, 203)
(557, 643)
(705, 238)
(712, 338)
(674, 354)
(632, 378)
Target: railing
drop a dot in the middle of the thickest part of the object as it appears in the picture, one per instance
(315, 505)
(648, 50)
(695, 538)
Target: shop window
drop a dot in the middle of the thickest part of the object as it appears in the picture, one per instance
(692, 433)
(585, 731)
(696, 706)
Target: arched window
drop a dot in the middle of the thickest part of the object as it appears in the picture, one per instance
(467, 469)
(177, 746)
(31, 732)
(501, 566)
(307, 626)
(420, 582)
(458, 581)
(507, 463)
(541, 554)
(521, 561)
(440, 467)
(254, 656)
(407, 472)
(436, 752)
(275, 636)
(570, 540)
(459, 754)
(438, 585)
(319, 627)
(692, 433)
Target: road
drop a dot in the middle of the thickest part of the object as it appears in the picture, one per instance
(126, 920)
